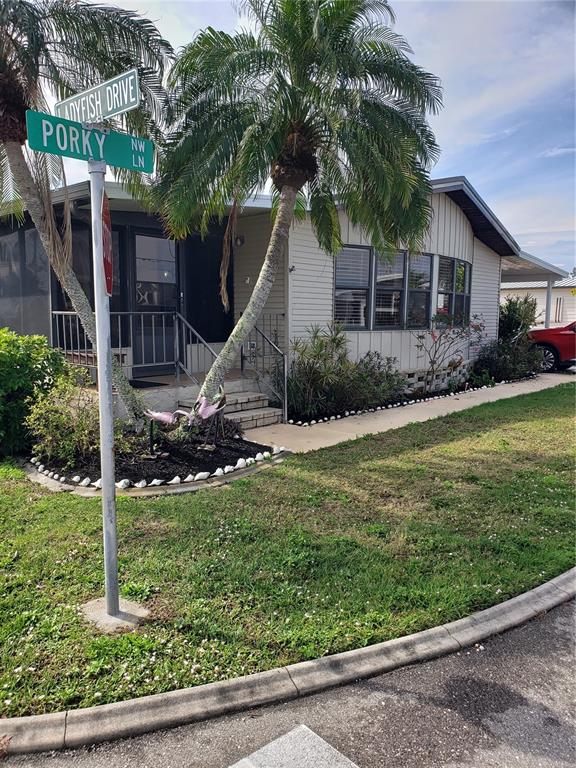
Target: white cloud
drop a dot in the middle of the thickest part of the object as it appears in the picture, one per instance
(558, 151)
(494, 59)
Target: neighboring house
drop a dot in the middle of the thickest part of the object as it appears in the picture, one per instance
(563, 299)
(166, 312)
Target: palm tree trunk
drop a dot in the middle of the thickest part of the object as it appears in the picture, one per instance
(249, 317)
(54, 247)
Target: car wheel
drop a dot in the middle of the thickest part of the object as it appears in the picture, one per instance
(549, 358)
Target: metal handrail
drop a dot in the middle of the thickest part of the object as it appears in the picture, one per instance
(143, 339)
(268, 376)
(182, 352)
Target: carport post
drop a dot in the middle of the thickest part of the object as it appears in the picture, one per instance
(548, 312)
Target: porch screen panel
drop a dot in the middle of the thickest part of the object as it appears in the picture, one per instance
(24, 283)
(156, 297)
(155, 273)
(351, 294)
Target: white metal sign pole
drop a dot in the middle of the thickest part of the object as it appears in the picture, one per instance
(97, 171)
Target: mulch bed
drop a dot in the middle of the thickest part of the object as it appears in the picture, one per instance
(180, 461)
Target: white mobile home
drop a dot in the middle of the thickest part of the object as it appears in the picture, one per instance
(168, 321)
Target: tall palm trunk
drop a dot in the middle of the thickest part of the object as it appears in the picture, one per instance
(54, 247)
(249, 317)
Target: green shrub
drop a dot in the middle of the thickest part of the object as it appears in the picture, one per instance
(377, 381)
(507, 360)
(323, 381)
(29, 367)
(517, 316)
(65, 424)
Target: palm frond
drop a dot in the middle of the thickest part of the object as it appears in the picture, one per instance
(11, 205)
(322, 89)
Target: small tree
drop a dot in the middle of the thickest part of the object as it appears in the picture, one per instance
(447, 345)
(321, 101)
(517, 315)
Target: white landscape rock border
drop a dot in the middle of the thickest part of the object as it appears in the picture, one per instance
(81, 727)
(404, 402)
(39, 473)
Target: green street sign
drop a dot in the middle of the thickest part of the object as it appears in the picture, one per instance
(68, 138)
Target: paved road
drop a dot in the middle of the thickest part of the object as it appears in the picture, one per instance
(506, 704)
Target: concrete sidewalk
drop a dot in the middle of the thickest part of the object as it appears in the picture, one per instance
(303, 439)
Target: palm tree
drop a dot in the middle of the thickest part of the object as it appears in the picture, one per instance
(321, 100)
(58, 48)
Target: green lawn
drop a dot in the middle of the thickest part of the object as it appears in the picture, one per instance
(348, 546)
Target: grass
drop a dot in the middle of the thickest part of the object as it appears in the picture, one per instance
(351, 545)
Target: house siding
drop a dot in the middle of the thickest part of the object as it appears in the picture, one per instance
(486, 287)
(450, 233)
(248, 260)
(311, 281)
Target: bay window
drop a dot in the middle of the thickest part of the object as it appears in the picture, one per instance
(382, 291)
(419, 286)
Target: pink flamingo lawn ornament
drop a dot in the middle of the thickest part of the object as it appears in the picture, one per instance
(203, 409)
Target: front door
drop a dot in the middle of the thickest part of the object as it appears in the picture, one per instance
(200, 285)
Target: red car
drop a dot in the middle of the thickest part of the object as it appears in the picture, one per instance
(558, 346)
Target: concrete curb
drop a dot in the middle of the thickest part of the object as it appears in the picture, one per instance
(80, 727)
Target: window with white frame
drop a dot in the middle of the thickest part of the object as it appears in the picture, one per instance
(352, 287)
(453, 296)
(388, 290)
(419, 287)
(382, 291)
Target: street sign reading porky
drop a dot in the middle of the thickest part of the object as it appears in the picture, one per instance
(120, 94)
(68, 138)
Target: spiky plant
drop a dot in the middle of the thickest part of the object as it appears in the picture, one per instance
(321, 100)
(55, 48)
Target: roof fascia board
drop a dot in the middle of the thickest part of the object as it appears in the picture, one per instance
(461, 183)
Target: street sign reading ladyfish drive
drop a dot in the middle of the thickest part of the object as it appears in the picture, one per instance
(120, 94)
(68, 138)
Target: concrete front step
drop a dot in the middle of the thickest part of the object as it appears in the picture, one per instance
(236, 401)
(257, 417)
(251, 409)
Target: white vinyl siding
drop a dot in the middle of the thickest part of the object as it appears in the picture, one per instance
(450, 232)
(311, 281)
(563, 303)
(248, 260)
(484, 300)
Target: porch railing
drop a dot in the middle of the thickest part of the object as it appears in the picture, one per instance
(262, 354)
(140, 340)
(145, 343)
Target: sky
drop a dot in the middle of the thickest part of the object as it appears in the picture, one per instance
(508, 122)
